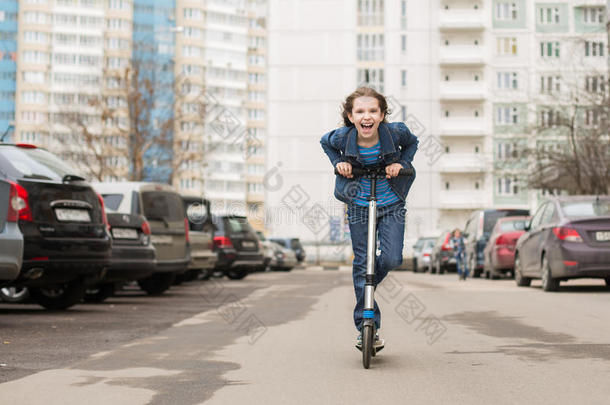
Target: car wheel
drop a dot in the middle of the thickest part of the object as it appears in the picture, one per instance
(99, 293)
(61, 296)
(441, 269)
(236, 274)
(158, 283)
(607, 280)
(519, 278)
(204, 274)
(548, 282)
(14, 294)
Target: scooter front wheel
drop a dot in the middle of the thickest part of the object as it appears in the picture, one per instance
(367, 345)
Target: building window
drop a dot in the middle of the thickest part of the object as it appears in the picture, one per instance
(403, 44)
(550, 84)
(370, 47)
(507, 81)
(549, 118)
(507, 186)
(549, 49)
(549, 15)
(506, 10)
(592, 118)
(594, 48)
(446, 185)
(593, 15)
(371, 77)
(403, 14)
(506, 46)
(370, 12)
(403, 78)
(506, 150)
(507, 115)
(595, 84)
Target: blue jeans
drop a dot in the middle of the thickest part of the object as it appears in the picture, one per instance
(390, 234)
(460, 262)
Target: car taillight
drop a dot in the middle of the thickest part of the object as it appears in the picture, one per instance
(501, 241)
(145, 228)
(446, 245)
(222, 242)
(104, 217)
(186, 230)
(426, 254)
(19, 206)
(567, 234)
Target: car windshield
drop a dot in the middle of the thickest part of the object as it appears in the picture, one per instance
(509, 226)
(492, 217)
(295, 244)
(36, 163)
(238, 224)
(112, 201)
(160, 205)
(586, 208)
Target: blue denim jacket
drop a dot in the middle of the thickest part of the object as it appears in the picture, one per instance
(398, 145)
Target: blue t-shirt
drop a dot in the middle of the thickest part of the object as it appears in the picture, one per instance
(385, 194)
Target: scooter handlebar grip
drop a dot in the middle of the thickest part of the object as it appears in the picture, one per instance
(363, 172)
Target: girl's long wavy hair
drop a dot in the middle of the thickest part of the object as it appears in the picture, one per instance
(348, 105)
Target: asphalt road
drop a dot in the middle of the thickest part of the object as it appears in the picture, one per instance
(287, 338)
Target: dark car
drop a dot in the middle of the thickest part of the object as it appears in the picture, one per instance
(163, 208)
(500, 250)
(67, 245)
(477, 231)
(133, 255)
(201, 235)
(293, 244)
(238, 247)
(568, 237)
(442, 256)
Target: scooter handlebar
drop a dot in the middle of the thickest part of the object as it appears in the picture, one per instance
(358, 172)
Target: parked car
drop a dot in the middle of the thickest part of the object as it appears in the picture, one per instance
(477, 231)
(268, 249)
(238, 247)
(417, 251)
(291, 243)
(201, 234)
(67, 245)
(163, 208)
(424, 256)
(442, 256)
(11, 239)
(567, 237)
(283, 259)
(133, 255)
(500, 250)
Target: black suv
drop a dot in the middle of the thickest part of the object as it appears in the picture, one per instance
(67, 245)
(237, 244)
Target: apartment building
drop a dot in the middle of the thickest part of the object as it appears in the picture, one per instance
(472, 79)
(8, 66)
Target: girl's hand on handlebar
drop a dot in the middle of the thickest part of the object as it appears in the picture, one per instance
(345, 169)
(392, 170)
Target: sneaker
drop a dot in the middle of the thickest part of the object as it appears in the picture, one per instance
(378, 343)
(359, 342)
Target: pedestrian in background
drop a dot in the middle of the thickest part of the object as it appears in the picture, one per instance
(459, 250)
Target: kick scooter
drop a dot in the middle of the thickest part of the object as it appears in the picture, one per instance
(368, 322)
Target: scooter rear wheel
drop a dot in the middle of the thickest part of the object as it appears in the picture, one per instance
(367, 345)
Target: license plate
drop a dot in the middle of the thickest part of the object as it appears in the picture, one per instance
(248, 244)
(67, 214)
(161, 240)
(602, 236)
(124, 233)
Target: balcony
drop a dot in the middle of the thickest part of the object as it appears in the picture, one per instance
(461, 20)
(464, 126)
(462, 199)
(462, 163)
(466, 90)
(462, 55)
